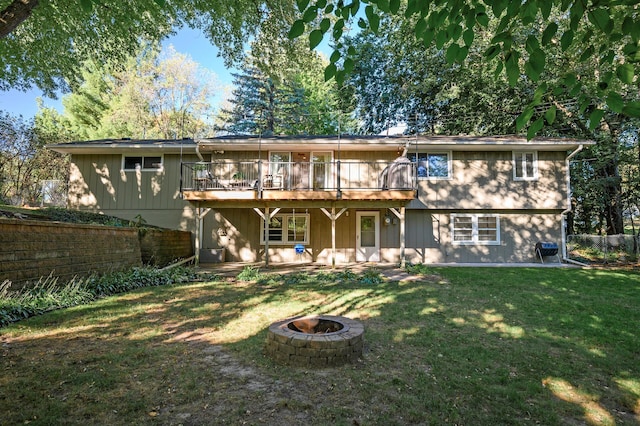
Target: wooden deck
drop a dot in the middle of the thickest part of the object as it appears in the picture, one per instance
(299, 195)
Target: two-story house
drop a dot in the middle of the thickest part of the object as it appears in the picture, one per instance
(336, 199)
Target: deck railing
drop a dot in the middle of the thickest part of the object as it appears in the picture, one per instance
(297, 176)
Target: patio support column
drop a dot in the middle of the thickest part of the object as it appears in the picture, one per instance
(333, 237)
(401, 215)
(197, 236)
(266, 236)
(266, 217)
(333, 216)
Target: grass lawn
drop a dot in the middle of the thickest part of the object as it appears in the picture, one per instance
(469, 346)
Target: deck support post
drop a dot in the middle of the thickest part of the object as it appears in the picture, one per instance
(198, 235)
(401, 215)
(333, 216)
(267, 221)
(266, 217)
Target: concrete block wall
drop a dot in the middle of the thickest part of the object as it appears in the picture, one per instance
(30, 250)
(163, 247)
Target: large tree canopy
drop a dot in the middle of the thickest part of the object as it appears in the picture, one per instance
(154, 94)
(43, 43)
(285, 101)
(604, 32)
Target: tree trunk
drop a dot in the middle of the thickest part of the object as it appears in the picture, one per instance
(15, 14)
(612, 189)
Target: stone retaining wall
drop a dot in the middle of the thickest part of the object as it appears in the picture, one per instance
(30, 250)
(162, 247)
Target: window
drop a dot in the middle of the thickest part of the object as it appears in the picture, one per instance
(287, 229)
(141, 163)
(278, 162)
(433, 165)
(483, 229)
(525, 165)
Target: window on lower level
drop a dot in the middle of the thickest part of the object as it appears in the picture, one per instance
(130, 162)
(481, 229)
(434, 165)
(287, 228)
(525, 165)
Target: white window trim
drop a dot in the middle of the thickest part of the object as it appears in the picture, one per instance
(449, 165)
(474, 230)
(518, 156)
(143, 156)
(285, 219)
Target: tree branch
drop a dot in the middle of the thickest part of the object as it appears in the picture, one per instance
(15, 14)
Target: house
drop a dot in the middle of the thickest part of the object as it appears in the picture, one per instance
(336, 199)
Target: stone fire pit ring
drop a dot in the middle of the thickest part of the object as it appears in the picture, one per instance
(315, 341)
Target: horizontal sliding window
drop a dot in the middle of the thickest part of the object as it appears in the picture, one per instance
(475, 229)
(433, 165)
(286, 229)
(131, 162)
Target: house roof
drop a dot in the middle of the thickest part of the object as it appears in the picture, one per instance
(117, 146)
(320, 143)
(387, 143)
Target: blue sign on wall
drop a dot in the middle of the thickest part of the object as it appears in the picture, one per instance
(299, 248)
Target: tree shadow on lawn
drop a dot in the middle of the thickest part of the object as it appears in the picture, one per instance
(473, 347)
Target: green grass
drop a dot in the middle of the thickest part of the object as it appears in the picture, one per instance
(477, 346)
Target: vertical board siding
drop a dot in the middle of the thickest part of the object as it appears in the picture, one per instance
(519, 232)
(98, 183)
(484, 180)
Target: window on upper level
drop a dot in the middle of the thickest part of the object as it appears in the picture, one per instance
(432, 165)
(287, 229)
(525, 165)
(480, 229)
(130, 162)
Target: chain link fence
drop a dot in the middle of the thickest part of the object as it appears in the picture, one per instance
(604, 249)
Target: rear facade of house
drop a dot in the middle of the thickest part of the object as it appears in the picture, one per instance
(335, 199)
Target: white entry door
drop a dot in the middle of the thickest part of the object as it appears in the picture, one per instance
(368, 237)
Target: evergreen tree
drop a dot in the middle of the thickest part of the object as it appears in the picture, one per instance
(253, 104)
(262, 105)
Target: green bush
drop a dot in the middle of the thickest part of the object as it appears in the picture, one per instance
(47, 295)
(371, 276)
(417, 269)
(250, 273)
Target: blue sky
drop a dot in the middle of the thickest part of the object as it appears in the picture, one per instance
(187, 41)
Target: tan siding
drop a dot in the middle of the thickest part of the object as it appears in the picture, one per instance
(366, 155)
(238, 230)
(98, 183)
(484, 180)
(519, 233)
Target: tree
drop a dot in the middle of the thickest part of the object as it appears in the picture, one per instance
(45, 44)
(605, 31)
(277, 100)
(397, 79)
(24, 162)
(153, 95)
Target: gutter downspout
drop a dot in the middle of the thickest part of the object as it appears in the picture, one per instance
(198, 152)
(568, 209)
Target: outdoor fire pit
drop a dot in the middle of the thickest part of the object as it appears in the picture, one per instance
(315, 341)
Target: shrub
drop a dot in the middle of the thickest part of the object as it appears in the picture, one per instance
(250, 273)
(371, 276)
(417, 269)
(47, 295)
